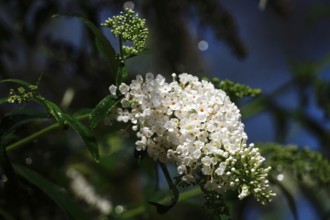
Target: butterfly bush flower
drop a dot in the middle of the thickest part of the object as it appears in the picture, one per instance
(85, 191)
(194, 125)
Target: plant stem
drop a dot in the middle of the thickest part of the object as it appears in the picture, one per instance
(38, 134)
(141, 209)
(121, 47)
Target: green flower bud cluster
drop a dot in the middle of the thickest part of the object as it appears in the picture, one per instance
(22, 95)
(130, 29)
(235, 90)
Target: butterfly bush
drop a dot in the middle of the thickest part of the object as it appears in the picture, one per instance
(194, 125)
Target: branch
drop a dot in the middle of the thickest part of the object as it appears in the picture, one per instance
(38, 134)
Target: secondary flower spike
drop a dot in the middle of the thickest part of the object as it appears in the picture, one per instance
(194, 125)
(130, 28)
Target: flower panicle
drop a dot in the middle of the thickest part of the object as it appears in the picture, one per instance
(196, 126)
(23, 95)
(131, 29)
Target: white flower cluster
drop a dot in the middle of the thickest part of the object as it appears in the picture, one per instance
(85, 191)
(196, 126)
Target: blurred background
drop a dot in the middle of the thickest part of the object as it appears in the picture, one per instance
(279, 46)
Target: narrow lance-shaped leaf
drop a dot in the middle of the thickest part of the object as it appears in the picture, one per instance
(54, 110)
(86, 134)
(16, 81)
(101, 41)
(3, 101)
(102, 109)
(56, 193)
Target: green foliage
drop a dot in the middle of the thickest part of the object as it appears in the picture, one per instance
(25, 93)
(235, 90)
(53, 110)
(32, 94)
(309, 167)
(20, 95)
(122, 75)
(216, 205)
(18, 82)
(306, 72)
(102, 110)
(101, 41)
(307, 75)
(29, 93)
(130, 29)
(305, 164)
(85, 133)
(3, 100)
(58, 194)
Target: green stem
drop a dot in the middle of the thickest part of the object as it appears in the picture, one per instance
(38, 134)
(121, 47)
(141, 209)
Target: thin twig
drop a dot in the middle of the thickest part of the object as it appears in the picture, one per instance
(38, 134)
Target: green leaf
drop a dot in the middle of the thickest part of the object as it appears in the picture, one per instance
(3, 101)
(86, 134)
(82, 112)
(121, 74)
(56, 193)
(306, 72)
(102, 43)
(17, 81)
(54, 110)
(236, 90)
(102, 109)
